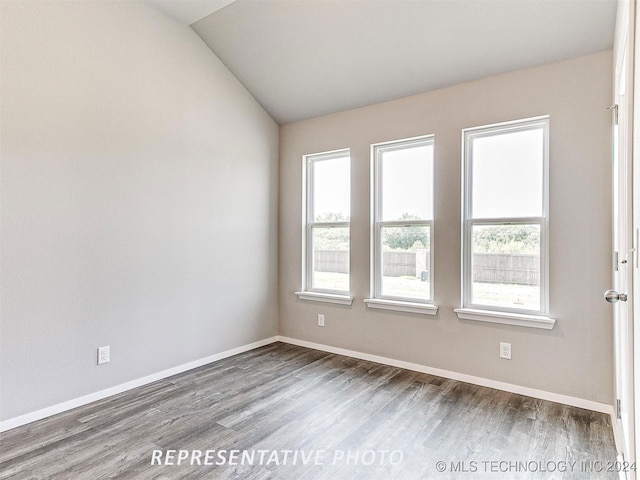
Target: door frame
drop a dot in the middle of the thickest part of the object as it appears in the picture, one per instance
(626, 263)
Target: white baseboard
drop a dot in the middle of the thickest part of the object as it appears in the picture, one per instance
(507, 387)
(92, 397)
(484, 382)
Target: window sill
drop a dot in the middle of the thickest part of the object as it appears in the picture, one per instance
(410, 307)
(505, 318)
(325, 297)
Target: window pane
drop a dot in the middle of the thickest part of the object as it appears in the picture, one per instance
(507, 174)
(330, 258)
(506, 266)
(406, 269)
(407, 183)
(331, 190)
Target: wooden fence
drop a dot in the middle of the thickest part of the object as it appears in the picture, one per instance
(519, 269)
(522, 269)
(405, 264)
(336, 261)
(396, 264)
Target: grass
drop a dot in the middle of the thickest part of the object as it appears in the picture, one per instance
(410, 287)
(392, 286)
(506, 295)
(331, 281)
(493, 294)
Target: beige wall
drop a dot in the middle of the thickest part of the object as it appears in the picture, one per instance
(575, 358)
(139, 201)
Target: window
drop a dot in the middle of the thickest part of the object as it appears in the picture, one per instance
(402, 209)
(505, 223)
(327, 206)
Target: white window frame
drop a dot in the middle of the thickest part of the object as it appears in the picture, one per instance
(378, 300)
(491, 313)
(308, 292)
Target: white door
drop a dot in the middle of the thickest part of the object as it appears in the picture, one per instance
(625, 263)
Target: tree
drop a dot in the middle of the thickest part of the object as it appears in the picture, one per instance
(413, 237)
(510, 239)
(332, 217)
(336, 238)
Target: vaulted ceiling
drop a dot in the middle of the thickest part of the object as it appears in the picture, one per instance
(303, 58)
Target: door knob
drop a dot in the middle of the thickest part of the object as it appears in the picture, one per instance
(612, 296)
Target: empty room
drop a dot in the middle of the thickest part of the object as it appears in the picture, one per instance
(319, 239)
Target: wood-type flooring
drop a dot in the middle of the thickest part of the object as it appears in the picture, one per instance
(292, 413)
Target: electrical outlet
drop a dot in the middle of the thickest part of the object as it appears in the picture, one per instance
(505, 350)
(104, 355)
(320, 320)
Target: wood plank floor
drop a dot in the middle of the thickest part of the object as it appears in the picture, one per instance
(307, 414)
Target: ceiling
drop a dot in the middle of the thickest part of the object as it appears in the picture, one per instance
(304, 58)
(189, 11)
